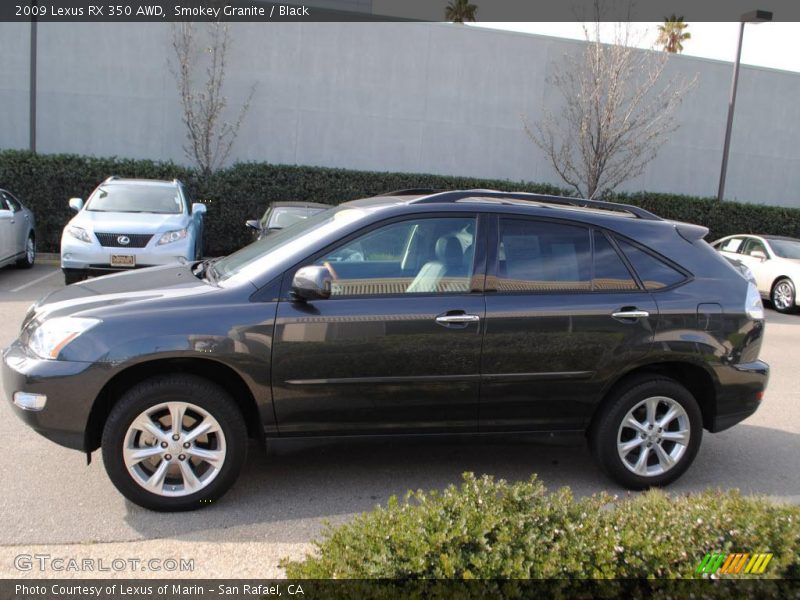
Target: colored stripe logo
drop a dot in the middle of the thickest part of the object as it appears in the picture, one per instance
(734, 564)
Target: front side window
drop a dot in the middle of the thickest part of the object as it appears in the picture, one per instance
(160, 199)
(420, 256)
(537, 256)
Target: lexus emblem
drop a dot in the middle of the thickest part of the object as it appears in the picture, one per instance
(123, 240)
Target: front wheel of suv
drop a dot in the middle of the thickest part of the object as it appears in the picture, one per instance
(648, 433)
(174, 442)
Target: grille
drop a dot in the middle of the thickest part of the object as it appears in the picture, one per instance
(109, 240)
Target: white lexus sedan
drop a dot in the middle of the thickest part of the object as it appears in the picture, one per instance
(131, 223)
(774, 262)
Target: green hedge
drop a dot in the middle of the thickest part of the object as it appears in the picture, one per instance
(491, 529)
(243, 191)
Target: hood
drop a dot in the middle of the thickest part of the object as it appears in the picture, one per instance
(122, 290)
(123, 222)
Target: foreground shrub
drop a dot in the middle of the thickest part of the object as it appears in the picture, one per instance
(492, 529)
(243, 191)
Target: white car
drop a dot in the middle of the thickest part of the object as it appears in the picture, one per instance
(774, 262)
(131, 223)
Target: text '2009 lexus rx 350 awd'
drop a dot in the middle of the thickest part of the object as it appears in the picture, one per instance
(409, 313)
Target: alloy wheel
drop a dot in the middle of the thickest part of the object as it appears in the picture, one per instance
(654, 436)
(30, 251)
(174, 449)
(783, 295)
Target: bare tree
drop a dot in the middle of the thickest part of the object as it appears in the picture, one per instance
(616, 112)
(209, 138)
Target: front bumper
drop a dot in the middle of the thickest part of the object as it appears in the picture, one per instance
(741, 392)
(84, 256)
(70, 394)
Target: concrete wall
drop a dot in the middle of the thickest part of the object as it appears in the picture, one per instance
(410, 97)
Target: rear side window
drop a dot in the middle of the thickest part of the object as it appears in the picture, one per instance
(654, 273)
(536, 256)
(610, 273)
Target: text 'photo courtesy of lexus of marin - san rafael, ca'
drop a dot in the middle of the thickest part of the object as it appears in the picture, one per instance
(131, 223)
(462, 312)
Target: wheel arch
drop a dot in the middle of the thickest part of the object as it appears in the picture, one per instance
(208, 369)
(695, 378)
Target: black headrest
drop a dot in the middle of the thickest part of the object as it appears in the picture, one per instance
(449, 251)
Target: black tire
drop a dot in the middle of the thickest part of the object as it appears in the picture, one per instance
(182, 388)
(73, 276)
(603, 436)
(783, 296)
(29, 258)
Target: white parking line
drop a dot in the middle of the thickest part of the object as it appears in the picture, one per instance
(34, 282)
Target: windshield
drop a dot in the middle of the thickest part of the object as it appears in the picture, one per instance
(160, 199)
(786, 248)
(249, 261)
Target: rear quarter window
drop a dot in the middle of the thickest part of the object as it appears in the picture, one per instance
(654, 273)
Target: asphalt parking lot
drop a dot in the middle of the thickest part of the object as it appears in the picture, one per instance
(53, 503)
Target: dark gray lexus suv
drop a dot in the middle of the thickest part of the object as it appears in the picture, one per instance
(455, 312)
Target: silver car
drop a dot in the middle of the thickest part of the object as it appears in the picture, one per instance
(17, 232)
(131, 223)
(774, 262)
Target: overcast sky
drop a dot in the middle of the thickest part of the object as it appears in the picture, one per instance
(775, 45)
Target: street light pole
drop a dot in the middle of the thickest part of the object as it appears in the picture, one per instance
(756, 16)
(731, 106)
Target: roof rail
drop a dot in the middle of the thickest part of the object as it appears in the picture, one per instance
(455, 196)
(412, 192)
(112, 178)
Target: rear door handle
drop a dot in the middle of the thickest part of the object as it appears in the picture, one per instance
(630, 314)
(462, 319)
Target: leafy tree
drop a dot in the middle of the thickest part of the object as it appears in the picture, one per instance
(459, 11)
(672, 34)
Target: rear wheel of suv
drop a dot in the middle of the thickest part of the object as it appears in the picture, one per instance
(174, 442)
(648, 433)
(783, 295)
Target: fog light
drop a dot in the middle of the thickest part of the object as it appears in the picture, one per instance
(28, 401)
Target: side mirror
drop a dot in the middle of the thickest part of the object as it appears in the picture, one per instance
(311, 283)
(6, 214)
(253, 224)
(76, 204)
(759, 255)
(198, 208)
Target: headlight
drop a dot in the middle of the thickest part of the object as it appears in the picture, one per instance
(51, 337)
(753, 305)
(172, 236)
(79, 233)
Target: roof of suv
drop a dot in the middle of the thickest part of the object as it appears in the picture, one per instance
(421, 196)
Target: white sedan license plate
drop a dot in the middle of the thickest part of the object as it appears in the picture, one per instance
(123, 260)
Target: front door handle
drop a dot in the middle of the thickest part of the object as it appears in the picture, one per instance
(461, 319)
(630, 314)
